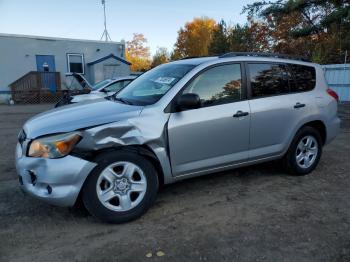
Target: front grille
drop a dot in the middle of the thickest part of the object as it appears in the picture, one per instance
(22, 137)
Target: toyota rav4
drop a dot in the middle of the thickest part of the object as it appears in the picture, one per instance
(179, 120)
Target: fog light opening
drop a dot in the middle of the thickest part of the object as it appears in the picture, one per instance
(32, 177)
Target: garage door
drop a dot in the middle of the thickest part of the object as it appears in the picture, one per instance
(111, 71)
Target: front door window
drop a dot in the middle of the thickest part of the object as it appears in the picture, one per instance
(218, 85)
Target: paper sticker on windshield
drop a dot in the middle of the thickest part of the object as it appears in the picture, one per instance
(164, 80)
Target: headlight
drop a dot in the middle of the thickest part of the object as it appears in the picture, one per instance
(54, 146)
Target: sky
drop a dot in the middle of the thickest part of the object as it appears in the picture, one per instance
(158, 20)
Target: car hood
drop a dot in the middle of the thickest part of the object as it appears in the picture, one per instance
(78, 116)
(92, 95)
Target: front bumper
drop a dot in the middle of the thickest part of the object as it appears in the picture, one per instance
(55, 181)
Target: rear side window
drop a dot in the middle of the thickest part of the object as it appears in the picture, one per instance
(268, 79)
(304, 78)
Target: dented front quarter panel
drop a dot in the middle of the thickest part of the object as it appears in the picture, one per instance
(147, 129)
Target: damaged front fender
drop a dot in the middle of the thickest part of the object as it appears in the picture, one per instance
(148, 129)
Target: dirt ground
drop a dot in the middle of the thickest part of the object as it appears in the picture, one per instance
(249, 214)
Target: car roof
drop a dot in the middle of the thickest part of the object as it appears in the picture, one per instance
(244, 58)
(267, 59)
(195, 61)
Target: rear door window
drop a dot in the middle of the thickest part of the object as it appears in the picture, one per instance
(268, 79)
(304, 78)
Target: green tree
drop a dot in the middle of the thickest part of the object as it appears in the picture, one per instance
(251, 37)
(220, 40)
(316, 29)
(237, 38)
(160, 57)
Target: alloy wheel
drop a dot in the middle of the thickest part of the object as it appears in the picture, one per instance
(121, 186)
(306, 152)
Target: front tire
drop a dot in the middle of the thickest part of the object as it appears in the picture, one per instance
(304, 152)
(122, 187)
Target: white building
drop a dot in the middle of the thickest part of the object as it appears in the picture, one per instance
(96, 60)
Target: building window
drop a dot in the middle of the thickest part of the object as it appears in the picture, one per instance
(75, 63)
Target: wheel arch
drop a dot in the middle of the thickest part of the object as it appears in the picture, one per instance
(148, 153)
(319, 126)
(142, 150)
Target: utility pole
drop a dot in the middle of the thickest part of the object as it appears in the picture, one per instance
(105, 33)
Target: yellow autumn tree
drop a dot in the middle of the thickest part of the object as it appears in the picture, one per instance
(195, 38)
(138, 53)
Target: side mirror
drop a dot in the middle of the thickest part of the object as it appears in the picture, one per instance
(188, 101)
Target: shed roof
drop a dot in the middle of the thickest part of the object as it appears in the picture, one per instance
(107, 57)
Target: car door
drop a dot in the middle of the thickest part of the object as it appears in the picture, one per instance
(217, 133)
(275, 111)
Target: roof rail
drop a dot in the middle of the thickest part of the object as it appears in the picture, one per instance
(191, 57)
(258, 54)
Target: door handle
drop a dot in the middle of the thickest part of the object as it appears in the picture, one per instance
(240, 114)
(299, 105)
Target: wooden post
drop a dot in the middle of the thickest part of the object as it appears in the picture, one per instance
(38, 86)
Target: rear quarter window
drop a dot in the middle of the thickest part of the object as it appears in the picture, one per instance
(304, 78)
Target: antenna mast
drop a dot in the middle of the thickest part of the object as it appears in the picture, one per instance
(105, 33)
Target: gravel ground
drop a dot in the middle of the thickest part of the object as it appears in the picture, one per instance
(249, 214)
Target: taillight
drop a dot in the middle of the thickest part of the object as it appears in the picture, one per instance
(333, 94)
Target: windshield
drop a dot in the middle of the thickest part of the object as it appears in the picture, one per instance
(100, 84)
(148, 88)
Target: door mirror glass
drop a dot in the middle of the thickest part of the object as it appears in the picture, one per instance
(188, 101)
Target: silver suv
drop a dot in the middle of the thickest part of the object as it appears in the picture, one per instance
(179, 120)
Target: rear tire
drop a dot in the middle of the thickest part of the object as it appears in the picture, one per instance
(304, 152)
(121, 188)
